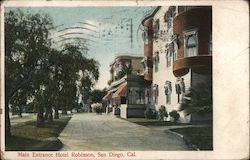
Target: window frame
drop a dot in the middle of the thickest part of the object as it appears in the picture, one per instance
(156, 28)
(168, 57)
(145, 37)
(175, 52)
(186, 34)
(168, 85)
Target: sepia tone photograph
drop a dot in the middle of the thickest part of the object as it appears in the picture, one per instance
(107, 82)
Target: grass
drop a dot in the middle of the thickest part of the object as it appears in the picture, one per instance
(20, 120)
(27, 137)
(152, 122)
(202, 137)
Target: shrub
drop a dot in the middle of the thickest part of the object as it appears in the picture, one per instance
(162, 112)
(199, 99)
(97, 107)
(148, 113)
(174, 114)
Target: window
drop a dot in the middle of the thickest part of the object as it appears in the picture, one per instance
(127, 64)
(190, 43)
(148, 95)
(145, 37)
(144, 62)
(135, 95)
(168, 91)
(120, 67)
(145, 65)
(169, 16)
(156, 61)
(156, 93)
(169, 19)
(173, 50)
(168, 57)
(180, 88)
(156, 28)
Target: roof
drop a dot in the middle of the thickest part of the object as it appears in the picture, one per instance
(151, 14)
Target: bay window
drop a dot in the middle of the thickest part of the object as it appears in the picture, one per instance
(190, 43)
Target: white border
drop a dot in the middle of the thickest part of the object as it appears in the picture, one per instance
(230, 76)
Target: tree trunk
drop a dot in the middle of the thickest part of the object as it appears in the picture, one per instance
(7, 121)
(56, 114)
(50, 115)
(40, 118)
(20, 112)
(64, 111)
(46, 114)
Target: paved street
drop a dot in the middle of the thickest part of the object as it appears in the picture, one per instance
(88, 131)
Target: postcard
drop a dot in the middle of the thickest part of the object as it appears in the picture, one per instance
(124, 80)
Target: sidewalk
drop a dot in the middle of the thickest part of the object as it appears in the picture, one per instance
(88, 131)
(163, 128)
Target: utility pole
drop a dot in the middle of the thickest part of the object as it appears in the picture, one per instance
(131, 32)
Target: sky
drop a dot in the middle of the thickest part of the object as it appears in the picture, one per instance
(107, 31)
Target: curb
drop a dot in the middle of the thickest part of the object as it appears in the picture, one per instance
(182, 137)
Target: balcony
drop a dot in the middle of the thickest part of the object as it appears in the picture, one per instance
(201, 64)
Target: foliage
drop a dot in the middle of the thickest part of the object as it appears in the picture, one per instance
(198, 99)
(26, 48)
(174, 114)
(110, 81)
(95, 95)
(149, 113)
(162, 112)
(97, 107)
(202, 137)
(125, 71)
(37, 72)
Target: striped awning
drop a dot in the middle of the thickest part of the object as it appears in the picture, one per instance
(107, 96)
(121, 91)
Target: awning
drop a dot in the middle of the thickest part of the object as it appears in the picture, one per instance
(121, 91)
(107, 96)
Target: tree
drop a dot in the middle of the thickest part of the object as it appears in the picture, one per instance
(174, 114)
(198, 99)
(162, 112)
(26, 46)
(18, 102)
(125, 71)
(78, 73)
(50, 78)
(97, 95)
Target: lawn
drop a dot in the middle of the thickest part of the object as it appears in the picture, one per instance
(202, 137)
(26, 136)
(152, 122)
(20, 120)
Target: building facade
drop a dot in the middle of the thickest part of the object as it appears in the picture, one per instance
(181, 54)
(126, 93)
(125, 62)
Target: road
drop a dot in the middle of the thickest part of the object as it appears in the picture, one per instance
(91, 132)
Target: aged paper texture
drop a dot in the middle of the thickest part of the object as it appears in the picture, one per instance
(230, 76)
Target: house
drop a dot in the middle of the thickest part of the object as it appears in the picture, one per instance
(178, 42)
(126, 90)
